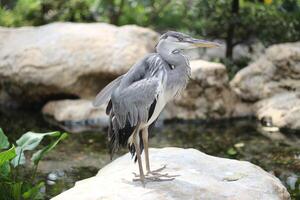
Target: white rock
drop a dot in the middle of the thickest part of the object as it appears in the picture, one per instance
(207, 95)
(201, 177)
(282, 109)
(76, 115)
(276, 71)
(68, 58)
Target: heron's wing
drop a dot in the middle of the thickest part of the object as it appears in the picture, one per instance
(137, 72)
(138, 90)
(132, 105)
(104, 95)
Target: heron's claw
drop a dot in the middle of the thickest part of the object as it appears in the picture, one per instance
(157, 170)
(156, 177)
(155, 174)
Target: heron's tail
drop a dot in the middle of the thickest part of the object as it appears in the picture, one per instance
(121, 137)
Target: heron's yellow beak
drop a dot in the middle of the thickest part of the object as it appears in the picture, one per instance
(205, 44)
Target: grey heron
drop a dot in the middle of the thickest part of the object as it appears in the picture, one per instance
(136, 98)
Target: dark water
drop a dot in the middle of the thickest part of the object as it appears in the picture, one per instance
(83, 154)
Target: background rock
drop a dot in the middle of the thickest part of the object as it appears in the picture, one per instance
(76, 115)
(283, 110)
(271, 85)
(278, 70)
(207, 95)
(67, 59)
(201, 177)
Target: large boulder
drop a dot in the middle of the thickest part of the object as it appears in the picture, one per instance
(200, 177)
(76, 115)
(207, 95)
(67, 59)
(281, 110)
(271, 84)
(276, 71)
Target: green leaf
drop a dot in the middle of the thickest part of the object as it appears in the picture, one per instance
(37, 156)
(4, 144)
(7, 155)
(16, 190)
(33, 192)
(4, 169)
(20, 158)
(231, 151)
(29, 141)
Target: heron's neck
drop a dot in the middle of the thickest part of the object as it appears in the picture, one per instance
(177, 79)
(171, 57)
(177, 59)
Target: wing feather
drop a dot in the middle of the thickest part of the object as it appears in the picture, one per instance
(134, 103)
(138, 90)
(104, 95)
(134, 99)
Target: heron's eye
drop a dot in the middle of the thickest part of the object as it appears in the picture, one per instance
(180, 39)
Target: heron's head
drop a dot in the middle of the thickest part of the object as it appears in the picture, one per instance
(173, 41)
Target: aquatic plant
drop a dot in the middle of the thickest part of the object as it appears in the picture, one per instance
(14, 186)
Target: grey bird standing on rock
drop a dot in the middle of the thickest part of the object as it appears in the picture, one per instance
(137, 98)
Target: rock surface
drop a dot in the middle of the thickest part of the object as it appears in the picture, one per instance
(67, 58)
(271, 85)
(201, 177)
(76, 115)
(207, 95)
(278, 70)
(282, 110)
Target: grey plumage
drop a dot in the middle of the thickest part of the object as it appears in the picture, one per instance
(137, 91)
(137, 97)
(105, 94)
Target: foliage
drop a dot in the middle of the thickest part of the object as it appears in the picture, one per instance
(13, 186)
(295, 191)
(233, 66)
(23, 13)
(3, 140)
(252, 20)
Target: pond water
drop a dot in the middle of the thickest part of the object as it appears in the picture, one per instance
(83, 154)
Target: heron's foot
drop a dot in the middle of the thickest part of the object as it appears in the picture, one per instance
(155, 178)
(154, 172)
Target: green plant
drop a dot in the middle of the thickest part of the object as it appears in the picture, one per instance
(295, 191)
(13, 186)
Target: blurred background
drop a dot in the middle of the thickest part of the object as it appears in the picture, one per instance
(243, 101)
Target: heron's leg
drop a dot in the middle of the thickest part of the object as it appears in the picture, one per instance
(146, 146)
(145, 137)
(153, 175)
(136, 141)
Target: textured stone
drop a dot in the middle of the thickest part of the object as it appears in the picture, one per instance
(76, 115)
(67, 59)
(201, 177)
(276, 71)
(207, 95)
(281, 110)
